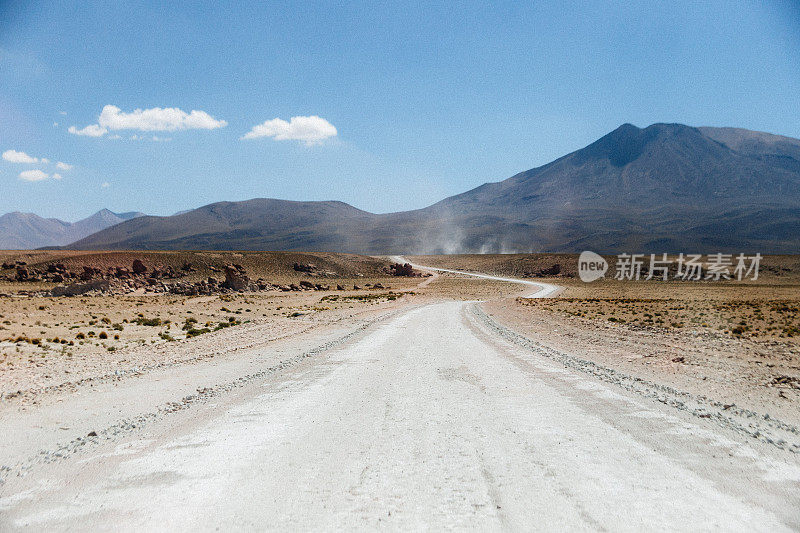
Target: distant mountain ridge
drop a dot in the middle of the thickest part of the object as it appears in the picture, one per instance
(664, 188)
(22, 231)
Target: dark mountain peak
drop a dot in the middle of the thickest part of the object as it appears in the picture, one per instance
(622, 146)
(626, 129)
(627, 143)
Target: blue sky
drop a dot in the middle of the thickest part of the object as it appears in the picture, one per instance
(426, 99)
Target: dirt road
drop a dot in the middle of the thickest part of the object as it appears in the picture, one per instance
(540, 288)
(427, 420)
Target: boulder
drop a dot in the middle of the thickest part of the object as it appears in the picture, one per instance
(138, 267)
(554, 270)
(304, 267)
(235, 279)
(404, 269)
(76, 289)
(306, 284)
(22, 273)
(90, 273)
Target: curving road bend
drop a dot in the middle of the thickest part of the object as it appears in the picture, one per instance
(426, 421)
(543, 290)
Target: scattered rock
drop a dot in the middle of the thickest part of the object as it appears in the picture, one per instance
(554, 270)
(100, 285)
(404, 269)
(308, 268)
(235, 278)
(138, 267)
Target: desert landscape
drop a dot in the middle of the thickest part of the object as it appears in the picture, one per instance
(399, 266)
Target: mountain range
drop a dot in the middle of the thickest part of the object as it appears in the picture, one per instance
(664, 188)
(23, 231)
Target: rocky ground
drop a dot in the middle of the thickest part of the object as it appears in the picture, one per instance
(67, 317)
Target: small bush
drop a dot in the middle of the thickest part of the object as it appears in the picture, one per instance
(195, 332)
(148, 321)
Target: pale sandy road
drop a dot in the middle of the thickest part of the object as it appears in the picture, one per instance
(542, 289)
(426, 422)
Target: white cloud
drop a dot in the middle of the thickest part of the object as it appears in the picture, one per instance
(92, 130)
(62, 112)
(310, 130)
(44, 160)
(56, 176)
(18, 157)
(157, 119)
(113, 118)
(105, 184)
(55, 124)
(63, 166)
(115, 136)
(33, 175)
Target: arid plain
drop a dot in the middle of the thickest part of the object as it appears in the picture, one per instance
(738, 339)
(151, 355)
